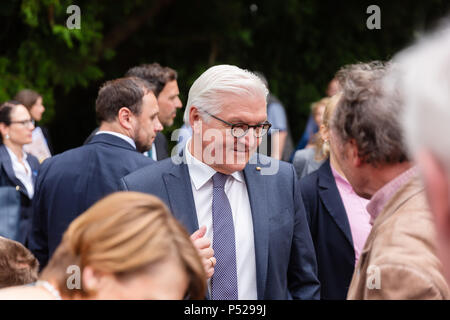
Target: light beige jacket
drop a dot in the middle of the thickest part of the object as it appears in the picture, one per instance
(399, 258)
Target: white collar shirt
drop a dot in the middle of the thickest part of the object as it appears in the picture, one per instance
(236, 190)
(22, 171)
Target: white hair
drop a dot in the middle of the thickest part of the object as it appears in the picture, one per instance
(421, 74)
(215, 84)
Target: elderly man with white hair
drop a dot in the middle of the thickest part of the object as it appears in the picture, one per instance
(248, 205)
(422, 76)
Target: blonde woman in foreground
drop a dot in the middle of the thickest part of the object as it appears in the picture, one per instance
(126, 246)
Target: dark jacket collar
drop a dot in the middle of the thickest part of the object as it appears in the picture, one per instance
(112, 140)
(5, 162)
(332, 200)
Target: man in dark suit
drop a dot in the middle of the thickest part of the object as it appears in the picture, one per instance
(249, 205)
(167, 93)
(71, 182)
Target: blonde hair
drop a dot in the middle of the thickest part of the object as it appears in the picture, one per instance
(315, 105)
(123, 234)
(323, 148)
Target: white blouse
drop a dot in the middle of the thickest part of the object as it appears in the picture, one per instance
(22, 171)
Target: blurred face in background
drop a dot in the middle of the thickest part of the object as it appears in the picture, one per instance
(333, 87)
(37, 110)
(318, 115)
(169, 102)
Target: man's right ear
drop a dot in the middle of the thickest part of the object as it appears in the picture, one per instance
(124, 116)
(194, 117)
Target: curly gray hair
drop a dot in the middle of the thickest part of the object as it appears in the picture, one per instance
(367, 115)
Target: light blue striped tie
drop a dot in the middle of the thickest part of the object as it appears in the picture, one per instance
(224, 281)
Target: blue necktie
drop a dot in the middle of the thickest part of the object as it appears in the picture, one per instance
(224, 281)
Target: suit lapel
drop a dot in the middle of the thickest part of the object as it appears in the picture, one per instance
(7, 166)
(257, 189)
(181, 199)
(330, 196)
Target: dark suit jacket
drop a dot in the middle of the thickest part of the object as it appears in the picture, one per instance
(69, 183)
(9, 181)
(162, 151)
(285, 261)
(330, 232)
(161, 147)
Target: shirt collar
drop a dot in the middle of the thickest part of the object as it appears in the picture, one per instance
(341, 180)
(13, 155)
(200, 172)
(385, 193)
(119, 135)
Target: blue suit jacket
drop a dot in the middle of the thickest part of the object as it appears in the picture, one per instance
(330, 231)
(69, 183)
(285, 261)
(15, 207)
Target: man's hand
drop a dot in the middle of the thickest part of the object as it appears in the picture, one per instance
(204, 250)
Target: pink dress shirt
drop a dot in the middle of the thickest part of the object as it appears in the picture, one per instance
(358, 217)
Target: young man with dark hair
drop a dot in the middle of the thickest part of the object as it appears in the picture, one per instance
(167, 93)
(71, 182)
(164, 79)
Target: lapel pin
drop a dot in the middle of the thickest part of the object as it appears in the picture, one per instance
(258, 168)
(17, 188)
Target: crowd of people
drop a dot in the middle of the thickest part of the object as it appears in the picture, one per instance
(363, 212)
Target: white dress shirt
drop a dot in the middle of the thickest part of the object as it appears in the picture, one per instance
(22, 171)
(119, 135)
(236, 190)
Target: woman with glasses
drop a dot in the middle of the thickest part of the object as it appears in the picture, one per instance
(18, 171)
(40, 147)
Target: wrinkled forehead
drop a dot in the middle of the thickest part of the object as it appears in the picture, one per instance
(249, 109)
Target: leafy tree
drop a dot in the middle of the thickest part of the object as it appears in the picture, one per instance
(298, 45)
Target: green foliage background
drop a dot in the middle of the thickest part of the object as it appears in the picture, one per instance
(297, 44)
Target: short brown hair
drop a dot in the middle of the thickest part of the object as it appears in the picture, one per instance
(116, 94)
(365, 114)
(122, 234)
(155, 74)
(18, 266)
(27, 97)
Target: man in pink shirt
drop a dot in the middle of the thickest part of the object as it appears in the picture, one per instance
(399, 259)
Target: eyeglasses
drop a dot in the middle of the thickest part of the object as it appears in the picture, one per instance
(239, 130)
(25, 123)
